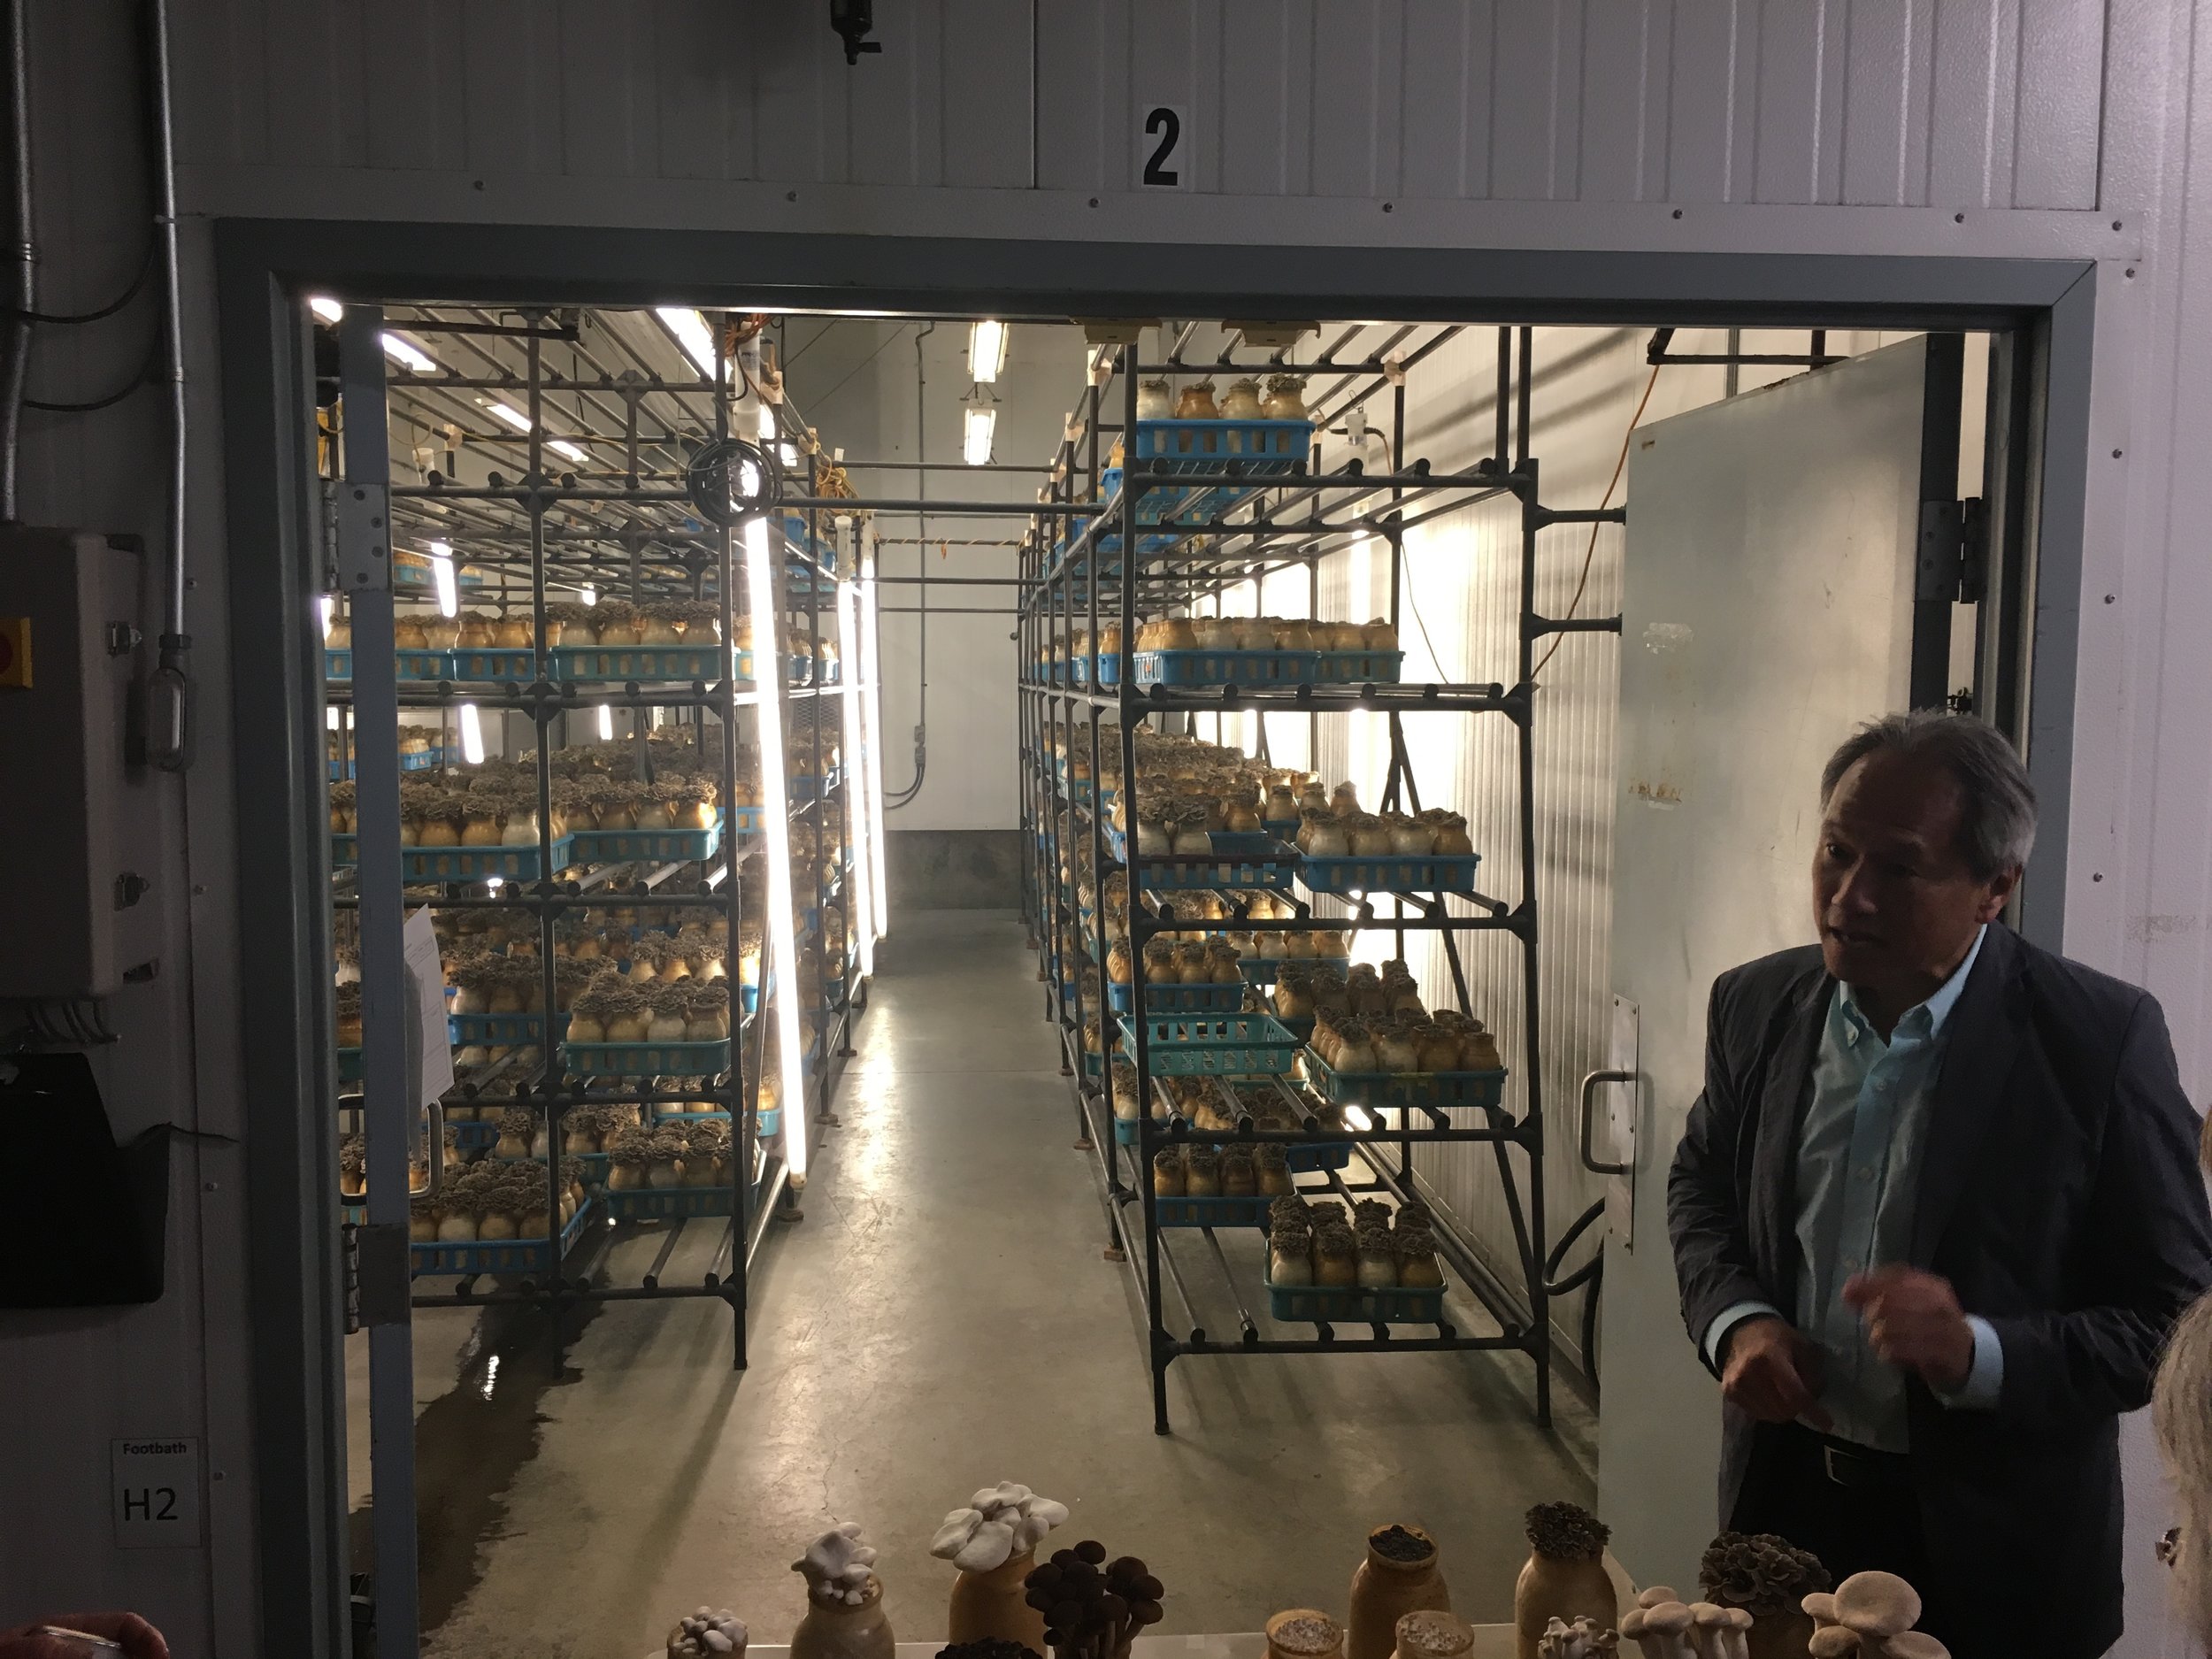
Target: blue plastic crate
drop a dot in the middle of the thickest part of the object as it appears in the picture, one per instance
(1180, 999)
(659, 845)
(1225, 668)
(1484, 1089)
(492, 1030)
(1240, 859)
(1211, 1212)
(1420, 873)
(667, 1203)
(460, 864)
(805, 787)
(1109, 669)
(621, 663)
(1358, 668)
(338, 664)
(1262, 448)
(410, 760)
(1315, 1304)
(647, 1059)
(1213, 1045)
(512, 1255)
(494, 664)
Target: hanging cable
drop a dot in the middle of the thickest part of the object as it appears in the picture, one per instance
(139, 377)
(72, 319)
(1590, 552)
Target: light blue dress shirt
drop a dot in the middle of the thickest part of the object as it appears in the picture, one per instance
(1858, 1179)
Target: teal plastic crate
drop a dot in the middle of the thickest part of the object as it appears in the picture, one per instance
(338, 664)
(1241, 859)
(1426, 874)
(620, 664)
(1260, 448)
(492, 1030)
(1180, 999)
(660, 846)
(1225, 668)
(1214, 1045)
(1359, 668)
(511, 1255)
(1211, 1212)
(410, 760)
(667, 1203)
(1439, 1089)
(647, 1059)
(1334, 1304)
(460, 863)
(494, 664)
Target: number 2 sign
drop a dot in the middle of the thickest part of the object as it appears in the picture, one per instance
(1163, 158)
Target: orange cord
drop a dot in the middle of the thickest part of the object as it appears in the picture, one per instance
(1590, 552)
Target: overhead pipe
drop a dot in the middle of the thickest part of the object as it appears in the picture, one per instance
(15, 360)
(169, 691)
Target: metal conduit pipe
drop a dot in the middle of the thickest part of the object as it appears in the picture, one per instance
(15, 359)
(169, 691)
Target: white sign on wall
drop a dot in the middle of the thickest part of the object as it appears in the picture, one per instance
(156, 1493)
(1163, 158)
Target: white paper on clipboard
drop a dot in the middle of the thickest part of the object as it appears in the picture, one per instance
(429, 1056)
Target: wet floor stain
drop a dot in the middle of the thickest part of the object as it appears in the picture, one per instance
(472, 1442)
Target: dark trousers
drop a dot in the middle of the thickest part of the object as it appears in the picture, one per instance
(1858, 1514)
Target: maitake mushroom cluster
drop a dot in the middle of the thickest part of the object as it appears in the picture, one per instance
(1566, 1532)
(1871, 1615)
(839, 1566)
(1760, 1573)
(1093, 1609)
(998, 1524)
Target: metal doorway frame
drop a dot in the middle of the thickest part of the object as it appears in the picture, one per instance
(2044, 309)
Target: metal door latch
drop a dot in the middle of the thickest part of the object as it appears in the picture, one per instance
(364, 535)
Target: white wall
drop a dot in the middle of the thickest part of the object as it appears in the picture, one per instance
(857, 385)
(2053, 128)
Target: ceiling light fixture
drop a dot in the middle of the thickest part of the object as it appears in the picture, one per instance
(509, 413)
(591, 593)
(471, 735)
(978, 423)
(562, 446)
(442, 577)
(407, 354)
(606, 722)
(326, 308)
(987, 349)
(692, 333)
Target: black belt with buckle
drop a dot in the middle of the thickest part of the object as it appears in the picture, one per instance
(1850, 1465)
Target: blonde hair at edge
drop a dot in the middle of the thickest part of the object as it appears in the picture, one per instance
(2181, 1412)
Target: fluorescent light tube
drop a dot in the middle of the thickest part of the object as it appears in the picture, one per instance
(692, 333)
(591, 593)
(606, 722)
(976, 426)
(869, 696)
(775, 798)
(509, 413)
(987, 349)
(407, 354)
(330, 612)
(326, 308)
(574, 452)
(442, 577)
(859, 829)
(471, 735)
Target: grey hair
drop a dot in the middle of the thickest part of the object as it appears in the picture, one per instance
(2184, 1428)
(1998, 828)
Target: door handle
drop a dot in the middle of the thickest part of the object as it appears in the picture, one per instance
(1589, 1093)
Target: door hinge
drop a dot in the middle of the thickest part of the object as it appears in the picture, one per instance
(364, 537)
(1954, 559)
(378, 1279)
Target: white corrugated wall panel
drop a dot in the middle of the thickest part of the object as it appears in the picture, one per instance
(1890, 103)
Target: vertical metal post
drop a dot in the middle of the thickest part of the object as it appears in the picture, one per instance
(1533, 1125)
(390, 1108)
(1935, 588)
(553, 1081)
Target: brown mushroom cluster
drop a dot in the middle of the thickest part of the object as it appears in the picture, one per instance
(1093, 1609)
(1312, 1242)
(1446, 1040)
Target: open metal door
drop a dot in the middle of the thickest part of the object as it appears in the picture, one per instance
(389, 1060)
(1773, 569)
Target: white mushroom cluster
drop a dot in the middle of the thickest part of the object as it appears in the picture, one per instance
(1666, 1627)
(837, 1565)
(1585, 1639)
(1870, 1616)
(706, 1632)
(998, 1524)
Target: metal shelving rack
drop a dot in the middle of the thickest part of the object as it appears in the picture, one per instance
(1294, 522)
(629, 529)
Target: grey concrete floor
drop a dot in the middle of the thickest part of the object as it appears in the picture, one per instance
(942, 1318)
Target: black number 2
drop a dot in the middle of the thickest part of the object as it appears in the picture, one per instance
(1169, 127)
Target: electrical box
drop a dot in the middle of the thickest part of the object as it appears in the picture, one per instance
(77, 906)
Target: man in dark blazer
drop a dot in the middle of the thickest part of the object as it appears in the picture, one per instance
(1935, 1212)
